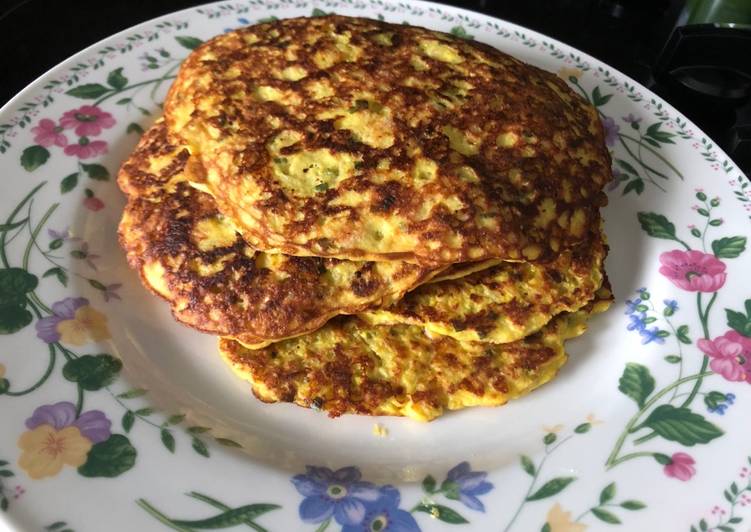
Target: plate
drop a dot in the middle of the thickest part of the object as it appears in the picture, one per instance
(115, 417)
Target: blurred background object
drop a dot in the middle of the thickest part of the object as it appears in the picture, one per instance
(694, 53)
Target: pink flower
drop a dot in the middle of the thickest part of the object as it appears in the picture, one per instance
(88, 120)
(86, 148)
(681, 466)
(730, 354)
(93, 203)
(693, 270)
(46, 133)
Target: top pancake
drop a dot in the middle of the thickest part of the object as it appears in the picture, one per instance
(362, 140)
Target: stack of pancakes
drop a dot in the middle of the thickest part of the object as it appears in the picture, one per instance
(375, 219)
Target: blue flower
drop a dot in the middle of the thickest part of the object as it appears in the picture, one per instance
(671, 304)
(465, 485)
(637, 322)
(651, 335)
(631, 306)
(730, 398)
(243, 21)
(339, 493)
(719, 409)
(384, 515)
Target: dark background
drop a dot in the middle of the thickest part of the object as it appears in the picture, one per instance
(35, 35)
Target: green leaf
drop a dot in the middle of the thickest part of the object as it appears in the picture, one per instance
(200, 447)
(144, 412)
(134, 128)
(681, 425)
(695, 232)
(227, 442)
(716, 222)
(626, 166)
(429, 484)
(459, 31)
(96, 171)
(735, 520)
(550, 488)
(123, 101)
(682, 334)
(56, 244)
(15, 283)
(6, 473)
(318, 13)
(703, 212)
(176, 419)
(229, 518)
(132, 394)
(92, 372)
(545, 528)
(450, 490)
(168, 440)
(729, 247)
(583, 428)
(598, 98)
(672, 359)
(739, 322)
(191, 43)
(33, 157)
(12, 225)
(549, 438)
(128, 419)
(88, 91)
(109, 458)
(604, 515)
(654, 132)
(636, 382)
(56, 525)
(59, 273)
(651, 142)
(607, 493)
(637, 185)
(69, 182)
(116, 80)
(198, 430)
(443, 513)
(528, 465)
(656, 225)
(633, 505)
(13, 318)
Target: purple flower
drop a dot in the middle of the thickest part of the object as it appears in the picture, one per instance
(637, 322)
(63, 235)
(631, 119)
(651, 335)
(339, 493)
(110, 291)
(61, 311)
(465, 485)
(93, 424)
(385, 515)
(611, 130)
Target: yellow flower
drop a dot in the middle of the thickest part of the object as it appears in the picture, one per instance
(560, 521)
(554, 429)
(86, 324)
(567, 72)
(593, 420)
(46, 450)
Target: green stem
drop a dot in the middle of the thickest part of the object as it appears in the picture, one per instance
(680, 354)
(704, 317)
(642, 163)
(35, 233)
(11, 217)
(34, 299)
(221, 506)
(79, 402)
(529, 491)
(631, 456)
(120, 91)
(159, 516)
(126, 407)
(324, 525)
(67, 353)
(610, 462)
(654, 152)
(152, 93)
(582, 516)
(42, 380)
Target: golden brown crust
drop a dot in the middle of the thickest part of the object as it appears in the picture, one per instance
(186, 253)
(439, 150)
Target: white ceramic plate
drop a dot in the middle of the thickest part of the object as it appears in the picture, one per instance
(644, 427)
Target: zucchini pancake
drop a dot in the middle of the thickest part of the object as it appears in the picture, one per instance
(374, 218)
